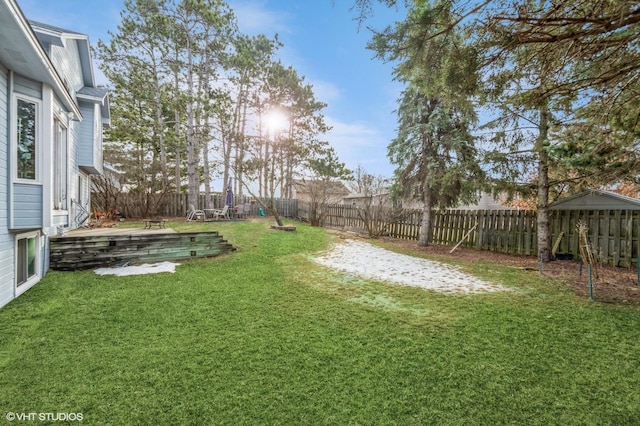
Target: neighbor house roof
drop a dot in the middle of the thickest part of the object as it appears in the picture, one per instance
(361, 195)
(334, 187)
(486, 201)
(596, 200)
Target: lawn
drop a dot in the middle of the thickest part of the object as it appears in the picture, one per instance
(266, 336)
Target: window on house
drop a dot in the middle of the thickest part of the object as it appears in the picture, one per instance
(27, 259)
(26, 116)
(60, 166)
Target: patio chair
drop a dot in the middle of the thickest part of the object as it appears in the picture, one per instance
(223, 212)
(194, 214)
(242, 211)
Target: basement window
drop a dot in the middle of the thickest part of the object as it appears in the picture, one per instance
(27, 261)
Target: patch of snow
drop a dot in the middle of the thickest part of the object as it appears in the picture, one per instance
(146, 268)
(368, 261)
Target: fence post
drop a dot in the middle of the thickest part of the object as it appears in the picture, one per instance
(590, 282)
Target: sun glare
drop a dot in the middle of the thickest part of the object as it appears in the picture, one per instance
(276, 121)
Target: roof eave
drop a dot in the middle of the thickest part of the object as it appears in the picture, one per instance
(105, 107)
(51, 76)
(58, 37)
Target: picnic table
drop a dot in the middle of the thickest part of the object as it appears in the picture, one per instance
(160, 223)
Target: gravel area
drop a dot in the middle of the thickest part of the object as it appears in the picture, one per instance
(368, 261)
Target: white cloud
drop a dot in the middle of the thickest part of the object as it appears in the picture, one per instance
(360, 143)
(254, 18)
(358, 132)
(326, 91)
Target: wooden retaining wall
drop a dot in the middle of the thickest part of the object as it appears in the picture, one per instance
(87, 252)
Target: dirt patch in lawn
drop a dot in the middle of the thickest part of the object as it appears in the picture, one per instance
(613, 285)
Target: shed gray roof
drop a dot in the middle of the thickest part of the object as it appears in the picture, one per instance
(596, 200)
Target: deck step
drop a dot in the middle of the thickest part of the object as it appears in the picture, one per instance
(70, 253)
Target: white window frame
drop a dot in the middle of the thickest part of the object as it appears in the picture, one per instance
(14, 138)
(21, 287)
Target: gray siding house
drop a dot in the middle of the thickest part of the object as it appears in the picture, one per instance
(51, 120)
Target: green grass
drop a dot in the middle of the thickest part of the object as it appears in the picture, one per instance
(266, 336)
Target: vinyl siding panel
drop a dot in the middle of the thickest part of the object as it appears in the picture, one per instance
(27, 206)
(67, 62)
(85, 144)
(27, 86)
(6, 240)
(6, 276)
(4, 146)
(60, 220)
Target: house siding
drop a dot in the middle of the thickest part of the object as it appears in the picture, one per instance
(97, 139)
(27, 206)
(6, 274)
(26, 202)
(60, 220)
(6, 242)
(27, 86)
(67, 62)
(85, 135)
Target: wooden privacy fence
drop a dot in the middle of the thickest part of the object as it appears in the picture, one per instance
(176, 205)
(614, 234)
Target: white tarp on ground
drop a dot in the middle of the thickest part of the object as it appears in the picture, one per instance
(145, 268)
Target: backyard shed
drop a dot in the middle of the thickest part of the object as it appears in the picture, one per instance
(613, 221)
(596, 200)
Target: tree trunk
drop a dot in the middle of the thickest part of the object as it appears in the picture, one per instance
(424, 239)
(160, 126)
(544, 237)
(193, 159)
(178, 159)
(207, 176)
(271, 208)
(240, 152)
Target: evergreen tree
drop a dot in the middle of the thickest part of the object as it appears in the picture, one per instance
(434, 151)
(434, 154)
(568, 69)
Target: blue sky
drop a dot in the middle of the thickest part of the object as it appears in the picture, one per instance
(321, 41)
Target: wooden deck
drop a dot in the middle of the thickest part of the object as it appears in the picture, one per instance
(104, 247)
(97, 232)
